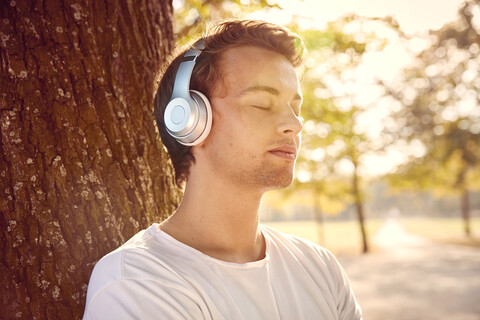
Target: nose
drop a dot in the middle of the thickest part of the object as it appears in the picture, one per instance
(290, 123)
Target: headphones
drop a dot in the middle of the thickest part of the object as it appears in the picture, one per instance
(188, 115)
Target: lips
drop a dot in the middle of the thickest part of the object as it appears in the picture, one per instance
(286, 152)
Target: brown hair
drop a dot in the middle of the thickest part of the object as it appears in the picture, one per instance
(206, 74)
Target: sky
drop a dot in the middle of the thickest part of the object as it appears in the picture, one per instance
(413, 15)
(415, 18)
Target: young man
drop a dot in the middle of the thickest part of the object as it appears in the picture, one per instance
(212, 259)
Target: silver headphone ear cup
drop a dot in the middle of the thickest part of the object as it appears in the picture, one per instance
(204, 124)
(189, 121)
(179, 115)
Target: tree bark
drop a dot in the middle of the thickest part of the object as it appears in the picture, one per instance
(359, 209)
(318, 215)
(81, 166)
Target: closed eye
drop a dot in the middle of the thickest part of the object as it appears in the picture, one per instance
(261, 107)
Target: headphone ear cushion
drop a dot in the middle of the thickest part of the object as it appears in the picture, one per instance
(189, 120)
(205, 123)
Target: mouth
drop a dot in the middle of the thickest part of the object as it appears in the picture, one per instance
(285, 152)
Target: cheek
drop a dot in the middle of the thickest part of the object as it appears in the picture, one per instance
(255, 122)
(224, 135)
(238, 128)
(230, 126)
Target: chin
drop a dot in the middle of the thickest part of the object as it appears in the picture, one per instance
(269, 178)
(285, 184)
(280, 182)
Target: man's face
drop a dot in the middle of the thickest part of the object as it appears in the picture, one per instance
(256, 127)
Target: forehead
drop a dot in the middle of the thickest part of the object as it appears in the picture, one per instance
(245, 66)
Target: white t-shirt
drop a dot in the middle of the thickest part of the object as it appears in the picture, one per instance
(154, 276)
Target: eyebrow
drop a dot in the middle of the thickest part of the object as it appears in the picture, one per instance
(267, 89)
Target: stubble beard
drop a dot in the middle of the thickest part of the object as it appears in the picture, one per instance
(264, 176)
(256, 174)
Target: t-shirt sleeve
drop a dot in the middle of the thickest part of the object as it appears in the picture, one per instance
(143, 299)
(347, 305)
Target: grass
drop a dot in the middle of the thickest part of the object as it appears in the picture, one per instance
(444, 230)
(438, 228)
(344, 237)
(340, 237)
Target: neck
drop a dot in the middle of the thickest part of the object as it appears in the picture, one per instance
(220, 220)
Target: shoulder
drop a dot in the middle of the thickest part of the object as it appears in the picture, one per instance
(319, 263)
(311, 256)
(144, 256)
(138, 273)
(294, 244)
(111, 266)
(144, 298)
(110, 269)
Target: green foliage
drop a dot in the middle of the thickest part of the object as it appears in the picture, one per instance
(331, 38)
(444, 81)
(330, 138)
(192, 17)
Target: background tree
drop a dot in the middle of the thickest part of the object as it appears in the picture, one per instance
(441, 116)
(81, 165)
(193, 16)
(333, 144)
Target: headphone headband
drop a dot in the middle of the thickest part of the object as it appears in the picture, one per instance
(184, 72)
(196, 48)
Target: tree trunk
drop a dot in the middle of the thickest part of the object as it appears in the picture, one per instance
(318, 215)
(359, 209)
(465, 212)
(81, 165)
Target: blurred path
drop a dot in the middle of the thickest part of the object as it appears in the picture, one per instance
(412, 278)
